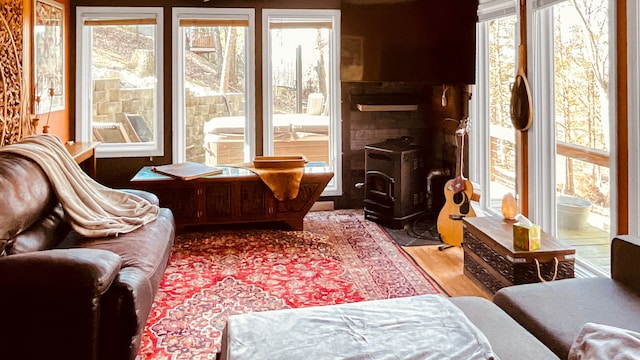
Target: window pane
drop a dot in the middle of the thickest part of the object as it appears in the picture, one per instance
(581, 51)
(123, 76)
(502, 35)
(214, 59)
(300, 90)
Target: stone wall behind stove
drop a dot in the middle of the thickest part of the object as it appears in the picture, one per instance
(428, 126)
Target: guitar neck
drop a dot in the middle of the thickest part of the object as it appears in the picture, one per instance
(460, 144)
(459, 156)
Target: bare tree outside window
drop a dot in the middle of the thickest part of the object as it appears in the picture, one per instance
(581, 99)
(502, 67)
(581, 42)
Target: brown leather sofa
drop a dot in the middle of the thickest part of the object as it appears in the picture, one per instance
(555, 312)
(63, 296)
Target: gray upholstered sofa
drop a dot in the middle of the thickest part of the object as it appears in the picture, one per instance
(65, 296)
(555, 312)
(532, 321)
(508, 339)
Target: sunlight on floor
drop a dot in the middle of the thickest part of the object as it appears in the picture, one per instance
(446, 268)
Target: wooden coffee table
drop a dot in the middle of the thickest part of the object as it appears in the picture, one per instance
(235, 196)
(491, 260)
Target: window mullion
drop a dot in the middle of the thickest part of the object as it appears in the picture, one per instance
(177, 93)
(542, 209)
(480, 161)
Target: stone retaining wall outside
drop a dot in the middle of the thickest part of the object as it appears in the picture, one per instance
(111, 102)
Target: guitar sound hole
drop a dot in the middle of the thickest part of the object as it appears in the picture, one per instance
(461, 200)
(464, 208)
(458, 198)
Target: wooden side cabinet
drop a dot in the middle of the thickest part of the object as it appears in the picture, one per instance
(491, 260)
(235, 196)
(84, 153)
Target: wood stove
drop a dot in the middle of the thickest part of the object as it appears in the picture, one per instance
(395, 188)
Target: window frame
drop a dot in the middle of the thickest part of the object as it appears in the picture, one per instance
(84, 100)
(541, 136)
(479, 137)
(633, 116)
(480, 146)
(334, 188)
(179, 117)
(542, 140)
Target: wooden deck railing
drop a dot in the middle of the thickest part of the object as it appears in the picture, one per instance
(583, 153)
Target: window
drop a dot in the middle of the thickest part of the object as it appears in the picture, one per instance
(119, 80)
(571, 181)
(214, 81)
(576, 50)
(301, 87)
(495, 160)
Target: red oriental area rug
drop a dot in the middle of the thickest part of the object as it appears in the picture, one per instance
(338, 258)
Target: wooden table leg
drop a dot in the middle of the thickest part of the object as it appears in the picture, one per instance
(295, 224)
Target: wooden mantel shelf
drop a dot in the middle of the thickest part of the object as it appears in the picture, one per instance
(365, 107)
(386, 102)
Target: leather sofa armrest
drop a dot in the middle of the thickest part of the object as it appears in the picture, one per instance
(625, 261)
(88, 271)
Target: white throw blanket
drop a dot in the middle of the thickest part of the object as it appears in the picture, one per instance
(598, 341)
(93, 209)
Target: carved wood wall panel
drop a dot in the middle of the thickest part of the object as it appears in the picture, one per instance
(13, 102)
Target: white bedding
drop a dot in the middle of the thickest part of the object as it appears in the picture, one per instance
(417, 327)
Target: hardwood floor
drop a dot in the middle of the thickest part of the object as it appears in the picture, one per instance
(446, 268)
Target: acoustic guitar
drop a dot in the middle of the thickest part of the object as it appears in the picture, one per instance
(458, 193)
